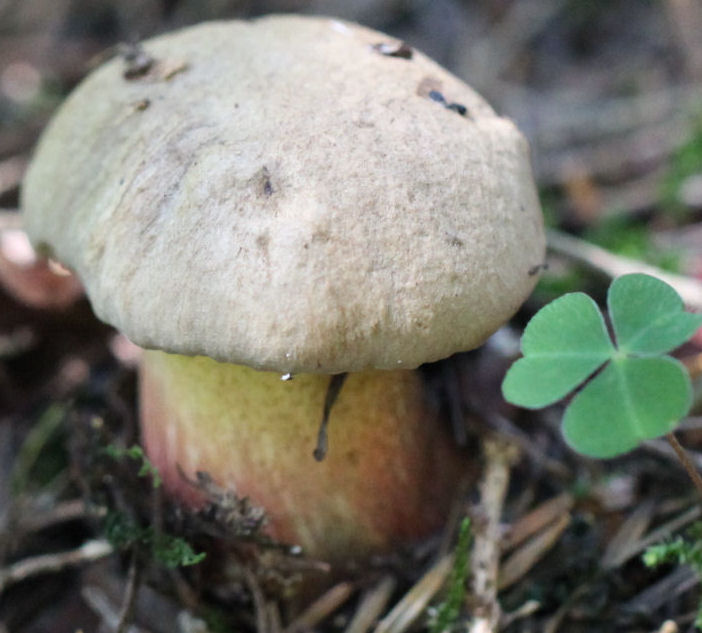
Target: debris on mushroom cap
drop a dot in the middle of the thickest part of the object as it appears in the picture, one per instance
(291, 199)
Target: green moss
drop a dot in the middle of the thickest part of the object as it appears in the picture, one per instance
(135, 452)
(166, 549)
(680, 551)
(449, 611)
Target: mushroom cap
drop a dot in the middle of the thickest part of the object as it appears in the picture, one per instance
(286, 194)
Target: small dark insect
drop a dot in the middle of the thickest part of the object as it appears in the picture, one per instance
(267, 187)
(435, 95)
(535, 269)
(401, 50)
(458, 107)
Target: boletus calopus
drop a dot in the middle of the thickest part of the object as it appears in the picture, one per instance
(292, 196)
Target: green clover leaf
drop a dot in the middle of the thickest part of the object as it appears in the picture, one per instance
(638, 394)
(563, 344)
(648, 315)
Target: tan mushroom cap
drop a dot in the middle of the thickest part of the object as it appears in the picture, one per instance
(283, 194)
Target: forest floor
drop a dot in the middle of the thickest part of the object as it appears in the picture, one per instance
(610, 96)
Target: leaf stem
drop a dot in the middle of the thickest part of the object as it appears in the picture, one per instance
(685, 461)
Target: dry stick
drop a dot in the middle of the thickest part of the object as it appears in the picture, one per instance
(371, 606)
(414, 603)
(62, 512)
(258, 599)
(322, 608)
(615, 265)
(685, 461)
(126, 613)
(485, 558)
(47, 563)
(518, 564)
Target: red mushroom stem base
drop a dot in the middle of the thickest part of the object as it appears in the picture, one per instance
(388, 479)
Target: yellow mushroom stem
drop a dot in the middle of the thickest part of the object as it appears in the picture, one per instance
(389, 476)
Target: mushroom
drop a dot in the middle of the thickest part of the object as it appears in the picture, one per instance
(299, 197)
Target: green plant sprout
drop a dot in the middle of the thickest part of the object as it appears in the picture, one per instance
(683, 551)
(135, 452)
(635, 392)
(446, 615)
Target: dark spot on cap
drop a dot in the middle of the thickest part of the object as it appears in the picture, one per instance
(435, 95)
(453, 240)
(428, 87)
(263, 241)
(401, 50)
(266, 186)
(138, 61)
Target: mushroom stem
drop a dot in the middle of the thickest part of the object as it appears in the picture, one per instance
(387, 480)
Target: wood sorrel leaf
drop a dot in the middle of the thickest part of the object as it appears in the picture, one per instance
(631, 400)
(638, 395)
(648, 316)
(563, 344)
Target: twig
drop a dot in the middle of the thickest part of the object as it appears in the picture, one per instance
(62, 512)
(126, 613)
(665, 530)
(685, 461)
(618, 550)
(615, 265)
(526, 444)
(415, 601)
(662, 592)
(372, 604)
(103, 607)
(258, 599)
(273, 617)
(326, 604)
(532, 523)
(49, 563)
(522, 560)
(664, 449)
(499, 456)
